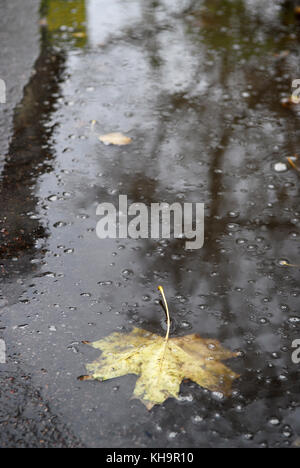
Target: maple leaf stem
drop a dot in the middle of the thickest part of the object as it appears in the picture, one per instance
(289, 264)
(161, 290)
(293, 164)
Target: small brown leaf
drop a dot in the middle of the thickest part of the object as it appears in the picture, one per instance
(43, 22)
(117, 139)
(290, 102)
(282, 54)
(79, 35)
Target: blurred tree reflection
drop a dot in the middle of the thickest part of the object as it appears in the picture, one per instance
(66, 20)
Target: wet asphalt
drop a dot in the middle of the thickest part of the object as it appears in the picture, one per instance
(26, 420)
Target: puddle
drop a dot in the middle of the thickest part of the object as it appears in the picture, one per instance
(198, 87)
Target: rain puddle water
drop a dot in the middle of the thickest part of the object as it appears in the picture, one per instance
(198, 87)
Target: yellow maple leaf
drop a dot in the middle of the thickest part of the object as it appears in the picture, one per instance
(162, 363)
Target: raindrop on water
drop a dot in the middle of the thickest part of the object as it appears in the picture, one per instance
(280, 167)
(274, 422)
(127, 273)
(197, 419)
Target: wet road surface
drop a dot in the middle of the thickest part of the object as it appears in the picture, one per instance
(198, 86)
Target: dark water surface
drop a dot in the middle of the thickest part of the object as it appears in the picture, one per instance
(198, 86)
